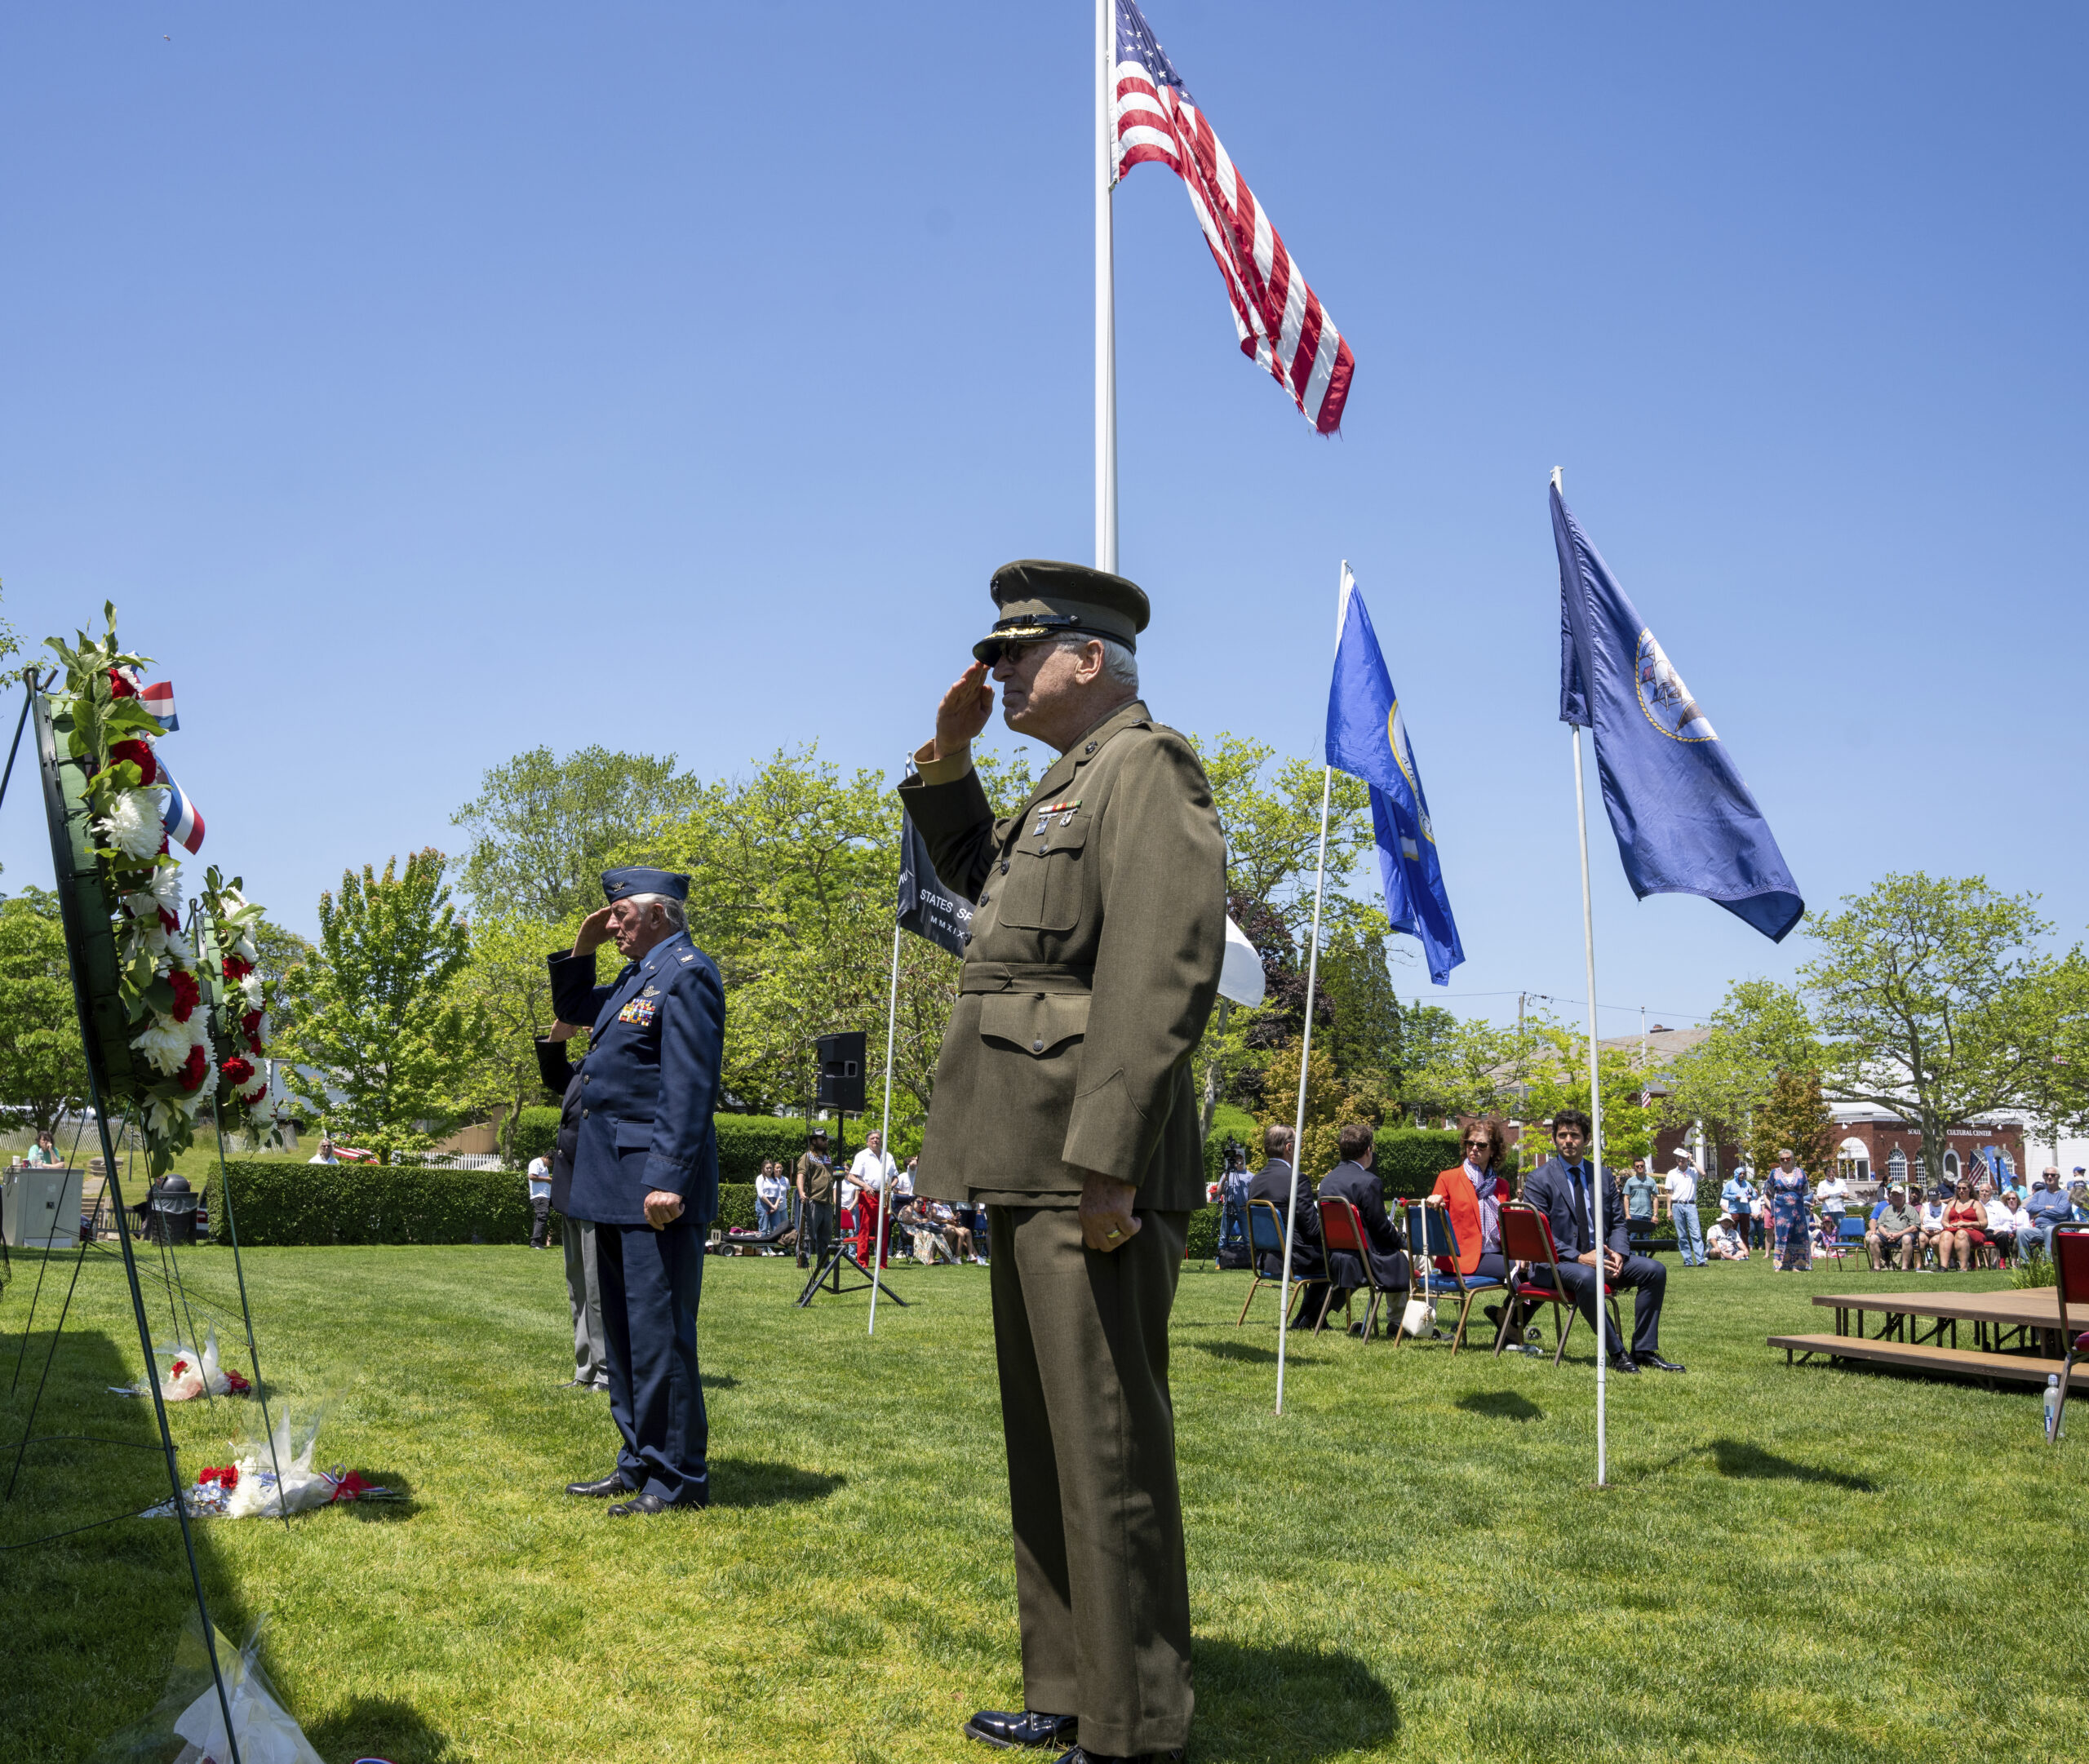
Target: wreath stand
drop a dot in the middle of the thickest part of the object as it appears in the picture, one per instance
(104, 1034)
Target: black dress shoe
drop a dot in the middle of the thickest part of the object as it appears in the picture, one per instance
(1082, 1755)
(612, 1484)
(1659, 1364)
(1009, 1728)
(1624, 1363)
(642, 1505)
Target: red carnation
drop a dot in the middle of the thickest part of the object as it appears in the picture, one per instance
(140, 754)
(169, 922)
(251, 1023)
(239, 1071)
(163, 853)
(187, 994)
(118, 686)
(194, 1069)
(237, 970)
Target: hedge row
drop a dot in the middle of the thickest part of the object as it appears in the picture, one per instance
(275, 1203)
(745, 1141)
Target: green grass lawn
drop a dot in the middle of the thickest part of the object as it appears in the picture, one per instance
(1804, 1563)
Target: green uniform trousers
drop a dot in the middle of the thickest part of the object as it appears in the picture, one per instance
(1101, 1590)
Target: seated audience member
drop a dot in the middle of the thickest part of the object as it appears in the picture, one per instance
(2078, 1197)
(1932, 1217)
(1272, 1183)
(1728, 1240)
(1895, 1231)
(325, 1154)
(2000, 1207)
(1965, 1234)
(1560, 1188)
(2047, 1207)
(2024, 1240)
(1351, 1181)
(43, 1153)
(1472, 1196)
(956, 1233)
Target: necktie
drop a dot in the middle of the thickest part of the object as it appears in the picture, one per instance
(1581, 1207)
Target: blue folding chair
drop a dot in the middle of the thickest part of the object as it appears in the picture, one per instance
(1265, 1237)
(1432, 1242)
(1850, 1234)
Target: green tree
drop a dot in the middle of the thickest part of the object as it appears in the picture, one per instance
(543, 829)
(1558, 1079)
(42, 1069)
(507, 983)
(382, 1046)
(1330, 1104)
(1364, 1040)
(1793, 1114)
(1929, 998)
(1760, 1028)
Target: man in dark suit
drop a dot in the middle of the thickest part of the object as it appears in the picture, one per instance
(583, 1289)
(1272, 1183)
(1352, 1181)
(1559, 1188)
(645, 1171)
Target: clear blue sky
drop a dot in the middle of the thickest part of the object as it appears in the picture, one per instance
(425, 383)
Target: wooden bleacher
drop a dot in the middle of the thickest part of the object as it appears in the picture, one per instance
(2018, 1333)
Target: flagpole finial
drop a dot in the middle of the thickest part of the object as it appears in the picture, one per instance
(1556, 484)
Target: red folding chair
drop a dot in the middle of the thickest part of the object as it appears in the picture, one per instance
(1527, 1238)
(2071, 1276)
(1341, 1228)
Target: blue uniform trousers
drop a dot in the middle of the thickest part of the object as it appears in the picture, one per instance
(650, 1282)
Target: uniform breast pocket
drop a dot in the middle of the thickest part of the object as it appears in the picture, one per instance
(1043, 889)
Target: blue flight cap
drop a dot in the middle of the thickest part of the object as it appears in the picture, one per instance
(620, 884)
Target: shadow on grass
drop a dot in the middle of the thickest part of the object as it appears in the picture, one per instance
(1248, 1353)
(378, 1512)
(1264, 1703)
(754, 1482)
(1737, 1457)
(719, 1381)
(1501, 1405)
(379, 1725)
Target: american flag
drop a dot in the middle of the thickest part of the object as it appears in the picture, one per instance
(1282, 324)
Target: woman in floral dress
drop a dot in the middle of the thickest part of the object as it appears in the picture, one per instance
(1791, 1247)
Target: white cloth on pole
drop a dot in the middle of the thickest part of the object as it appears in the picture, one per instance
(1241, 979)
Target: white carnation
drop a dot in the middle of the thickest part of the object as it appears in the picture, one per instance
(166, 1043)
(178, 946)
(167, 886)
(142, 905)
(134, 827)
(148, 935)
(160, 1115)
(250, 989)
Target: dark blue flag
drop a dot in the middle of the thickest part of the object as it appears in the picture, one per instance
(927, 907)
(1367, 739)
(1685, 823)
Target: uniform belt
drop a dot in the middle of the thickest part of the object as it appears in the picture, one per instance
(1025, 976)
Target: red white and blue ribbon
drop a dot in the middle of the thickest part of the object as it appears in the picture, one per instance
(158, 698)
(184, 823)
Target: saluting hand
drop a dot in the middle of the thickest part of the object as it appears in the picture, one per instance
(1107, 1222)
(964, 711)
(593, 933)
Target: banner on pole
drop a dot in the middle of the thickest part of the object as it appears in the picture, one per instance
(1685, 822)
(928, 906)
(1367, 739)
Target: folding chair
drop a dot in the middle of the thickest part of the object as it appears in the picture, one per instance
(1264, 1235)
(1433, 1245)
(1341, 1228)
(2071, 1280)
(1526, 1237)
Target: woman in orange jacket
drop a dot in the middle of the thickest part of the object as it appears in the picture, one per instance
(1471, 1194)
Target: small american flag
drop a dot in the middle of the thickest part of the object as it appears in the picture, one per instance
(1281, 322)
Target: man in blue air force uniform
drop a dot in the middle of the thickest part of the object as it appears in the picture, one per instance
(645, 1171)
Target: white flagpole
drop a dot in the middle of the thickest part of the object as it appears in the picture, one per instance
(1106, 304)
(884, 1133)
(1305, 1040)
(1595, 1105)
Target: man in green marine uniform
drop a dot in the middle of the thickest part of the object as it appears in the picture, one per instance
(1063, 1102)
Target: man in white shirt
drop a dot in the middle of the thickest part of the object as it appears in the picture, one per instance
(1834, 1196)
(540, 1199)
(870, 1170)
(1682, 1186)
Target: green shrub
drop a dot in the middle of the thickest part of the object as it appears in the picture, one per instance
(746, 1140)
(1203, 1233)
(282, 1202)
(1409, 1158)
(735, 1205)
(535, 1135)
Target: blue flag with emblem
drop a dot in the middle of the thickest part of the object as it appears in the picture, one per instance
(1685, 823)
(1367, 739)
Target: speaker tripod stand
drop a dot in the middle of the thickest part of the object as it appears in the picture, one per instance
(840, 1069)
(829, 1274)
